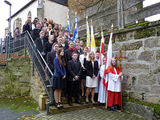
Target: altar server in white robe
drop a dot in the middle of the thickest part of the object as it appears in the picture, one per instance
(102, 88)
(114, 85)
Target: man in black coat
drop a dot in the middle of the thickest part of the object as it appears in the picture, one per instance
(40, 44)
(28, 25)
(74, 70)
(51, 55)
(36, 31)
(69, 51)
(67, 38)
(68, 57)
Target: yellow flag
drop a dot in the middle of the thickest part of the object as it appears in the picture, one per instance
(93, 45)
(88, 34)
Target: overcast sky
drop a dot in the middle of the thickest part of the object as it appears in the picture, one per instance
(17, 4)
(4, 12)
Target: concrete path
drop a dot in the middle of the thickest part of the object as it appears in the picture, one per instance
(88, 114)
(7, 114)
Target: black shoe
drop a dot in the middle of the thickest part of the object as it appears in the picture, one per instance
(78, 102)
(111, 109)
(60, 105)
(115, 107)
(93, 102)
(57, 106)
(70, 103)
(118, 108)
(83, 96)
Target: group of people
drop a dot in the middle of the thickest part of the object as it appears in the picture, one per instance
(76, 69)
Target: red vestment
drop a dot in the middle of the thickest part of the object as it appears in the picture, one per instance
(114, 86)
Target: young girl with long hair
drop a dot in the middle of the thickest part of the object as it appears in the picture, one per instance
(59, 77)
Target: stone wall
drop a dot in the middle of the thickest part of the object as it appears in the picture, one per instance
(16, 79)
(103, 14)
(142, 68)
(37, 87)
(100, 14)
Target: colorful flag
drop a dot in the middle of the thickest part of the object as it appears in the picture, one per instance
(108, 57)
(93, 45)
(88, 33)
(75, 33)
(102, 48)
(68, 23)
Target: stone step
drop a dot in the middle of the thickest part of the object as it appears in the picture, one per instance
(67, 108)
(65, 100)
(3, 63)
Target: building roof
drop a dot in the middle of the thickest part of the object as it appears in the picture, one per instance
(62, 2)
(25, 6)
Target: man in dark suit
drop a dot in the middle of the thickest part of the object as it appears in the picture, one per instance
(40, 44)
(68, 56)
(74, 70)
(28, 25)
(51, 55)
(69, 51)
(36, 31)
(67, 38)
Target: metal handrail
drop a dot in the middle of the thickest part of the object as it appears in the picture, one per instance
(41, 55)
(50, 92)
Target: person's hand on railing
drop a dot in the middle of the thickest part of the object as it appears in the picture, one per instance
(63, 77)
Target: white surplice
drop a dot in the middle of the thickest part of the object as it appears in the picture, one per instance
(102, 88)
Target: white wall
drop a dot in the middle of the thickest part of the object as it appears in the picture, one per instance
(56, 12)
(23, 14)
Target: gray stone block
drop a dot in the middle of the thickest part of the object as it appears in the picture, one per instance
(132, 56)
(158, 55)
(141, 110)
(146, 79)
(133, 68)
(152, 42)
(132, 46)
(147, 56)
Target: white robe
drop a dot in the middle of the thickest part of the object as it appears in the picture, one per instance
(114, 83)
(102, 88)
(97, 88)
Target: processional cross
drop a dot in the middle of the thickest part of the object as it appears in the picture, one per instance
(120, 57)
(120, 60)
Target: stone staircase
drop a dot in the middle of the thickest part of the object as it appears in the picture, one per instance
(67, 108)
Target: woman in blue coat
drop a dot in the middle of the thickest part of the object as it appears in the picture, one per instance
(59, 77)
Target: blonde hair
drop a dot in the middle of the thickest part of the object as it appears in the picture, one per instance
(42, 32)
(89, 57)
(85, 48)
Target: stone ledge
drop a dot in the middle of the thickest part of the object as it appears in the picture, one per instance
(142, 110)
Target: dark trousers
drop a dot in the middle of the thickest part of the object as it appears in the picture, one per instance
(73, 90)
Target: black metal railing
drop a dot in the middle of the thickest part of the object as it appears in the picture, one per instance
(25, 43)
(42, 67)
